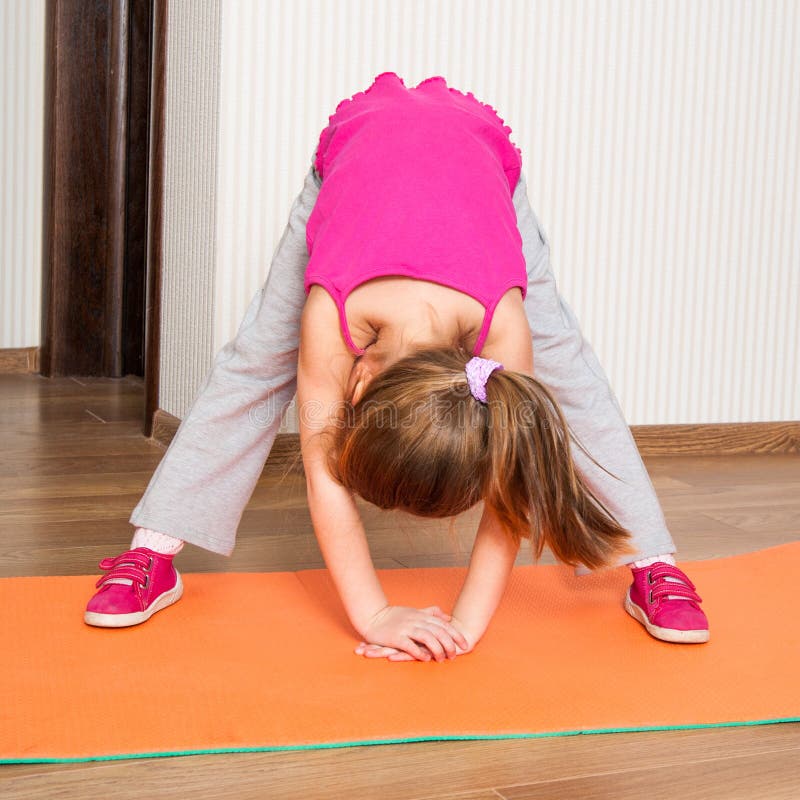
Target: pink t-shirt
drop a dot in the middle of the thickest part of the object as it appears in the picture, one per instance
(416, 182)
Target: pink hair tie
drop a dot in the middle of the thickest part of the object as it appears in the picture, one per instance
(478, 371)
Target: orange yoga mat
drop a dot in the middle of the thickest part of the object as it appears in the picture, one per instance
(248, 662)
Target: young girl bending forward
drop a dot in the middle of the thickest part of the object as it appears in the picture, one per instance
(417, 385)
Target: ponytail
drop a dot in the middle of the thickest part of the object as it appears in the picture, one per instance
(531, 482)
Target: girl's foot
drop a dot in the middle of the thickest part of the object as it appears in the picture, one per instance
(668, 609)
(137, 583)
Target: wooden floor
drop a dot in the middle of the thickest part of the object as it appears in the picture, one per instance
(75, 463)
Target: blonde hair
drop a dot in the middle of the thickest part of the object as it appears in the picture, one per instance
(417, 440)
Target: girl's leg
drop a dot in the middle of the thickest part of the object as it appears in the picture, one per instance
(206, 477)
(565, 362)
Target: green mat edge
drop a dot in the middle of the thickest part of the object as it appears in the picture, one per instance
(329, 745)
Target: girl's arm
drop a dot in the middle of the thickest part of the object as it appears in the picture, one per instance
(492, 560)
(344, 546)
(324, 367)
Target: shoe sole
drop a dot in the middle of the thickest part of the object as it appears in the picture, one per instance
(138, 617)
(665, 634)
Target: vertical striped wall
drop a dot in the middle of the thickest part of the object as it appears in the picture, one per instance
(21, 160)
(660, 144)
(190, 200)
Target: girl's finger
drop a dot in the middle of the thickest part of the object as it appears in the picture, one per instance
(373, 647)
(455, 634)
(430, 639)
(416, 650)
(375, 651)
(401, 657)
(444, 637)
(380, 652)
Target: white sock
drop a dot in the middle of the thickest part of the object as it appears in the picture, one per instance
(646, 562)
(153, 540)
(669, 559)
(159, 542)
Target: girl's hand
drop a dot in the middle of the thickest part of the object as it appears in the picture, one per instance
(417, 634)
(462, 644)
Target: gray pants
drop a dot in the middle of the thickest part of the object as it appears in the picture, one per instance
(206, 477)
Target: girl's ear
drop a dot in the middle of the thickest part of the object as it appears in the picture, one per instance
(360, 376)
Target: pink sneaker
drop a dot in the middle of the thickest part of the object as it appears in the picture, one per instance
(150, 584)
(673, 620)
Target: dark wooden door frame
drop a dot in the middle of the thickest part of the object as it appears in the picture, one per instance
(155, 212)
(103, 189)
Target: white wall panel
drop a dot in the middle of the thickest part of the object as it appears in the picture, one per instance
(659, 141)
(190, 200)
(21, 163)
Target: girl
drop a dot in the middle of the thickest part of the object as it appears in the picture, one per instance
(420, 394)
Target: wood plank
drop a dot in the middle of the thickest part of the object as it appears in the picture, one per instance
(770, 775)
(31, 488)
(404, 771)
(735, 494)
(15, 360)
(701, 471)
(724, 438)
(481, 794)
(54, 466)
